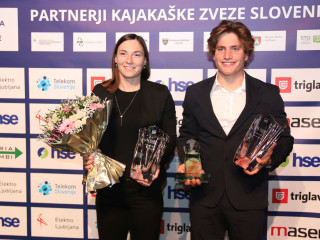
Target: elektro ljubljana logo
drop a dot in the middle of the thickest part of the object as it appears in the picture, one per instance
(43, 83)
(45, 188)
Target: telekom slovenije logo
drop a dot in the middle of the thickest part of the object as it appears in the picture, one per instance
(284, 84)
(279, 195)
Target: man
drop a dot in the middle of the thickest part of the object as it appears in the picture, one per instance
(218, 111)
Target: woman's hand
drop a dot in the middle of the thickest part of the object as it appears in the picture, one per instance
(88, 161)
(146, 184)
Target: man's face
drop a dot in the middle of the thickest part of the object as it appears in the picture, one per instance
(229, 55)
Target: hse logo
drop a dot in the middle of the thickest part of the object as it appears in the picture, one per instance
(9, 152)
(7, 119)
(9, 222)
(176, 86)
(175, 194)
(44, 188)
(284, 84)
(43, 83)
(257, 40)
(96, 80)
(44, 153)
(279, 195)
(175, 227)
(305, 161)
(308, 233)
(304, 122)
(286, 163)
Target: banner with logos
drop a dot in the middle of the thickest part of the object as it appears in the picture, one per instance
(54, 50)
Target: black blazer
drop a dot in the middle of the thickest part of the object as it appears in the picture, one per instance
(158, 109)
(218, 149)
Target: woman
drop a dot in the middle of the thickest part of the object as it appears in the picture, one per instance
(131, 205)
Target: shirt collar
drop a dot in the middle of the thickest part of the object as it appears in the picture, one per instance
(217, 87)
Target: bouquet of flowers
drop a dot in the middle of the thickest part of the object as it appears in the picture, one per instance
(78, 126)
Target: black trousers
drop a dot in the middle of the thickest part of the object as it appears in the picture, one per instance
(213, 222)
(129, 207)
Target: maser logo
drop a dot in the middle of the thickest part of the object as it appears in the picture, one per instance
(7, 119)
(304, 122)
(9, 222)
(295, 232)
(284, 84)
(279, 195)
(176, 86)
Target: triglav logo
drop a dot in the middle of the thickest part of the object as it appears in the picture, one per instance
(41, 221)
(279, 195)
(257, 40)
(45, 188)
(174, 227)
(96, 80)
(43, 83)
(284, 84)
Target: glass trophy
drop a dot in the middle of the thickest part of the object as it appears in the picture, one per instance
(192, 163)
(148, 152)
(262, 134)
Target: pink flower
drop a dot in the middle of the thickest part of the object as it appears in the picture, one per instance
(66, 126)
(65, 109)
(94, 106)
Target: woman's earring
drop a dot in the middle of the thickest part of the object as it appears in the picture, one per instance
(144, 66)
(116, 64)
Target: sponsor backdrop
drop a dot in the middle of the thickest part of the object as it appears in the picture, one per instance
(53, 50)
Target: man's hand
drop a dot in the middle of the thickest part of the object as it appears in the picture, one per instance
(193, 182)
(265, 161)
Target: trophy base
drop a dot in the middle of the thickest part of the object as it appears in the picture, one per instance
(181, 177)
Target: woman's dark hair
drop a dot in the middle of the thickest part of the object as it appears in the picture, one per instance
(113, 84)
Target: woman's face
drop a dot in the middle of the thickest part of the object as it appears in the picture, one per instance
(130, 59)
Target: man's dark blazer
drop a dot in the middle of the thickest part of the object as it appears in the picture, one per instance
(217, 149)
(157, 109)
